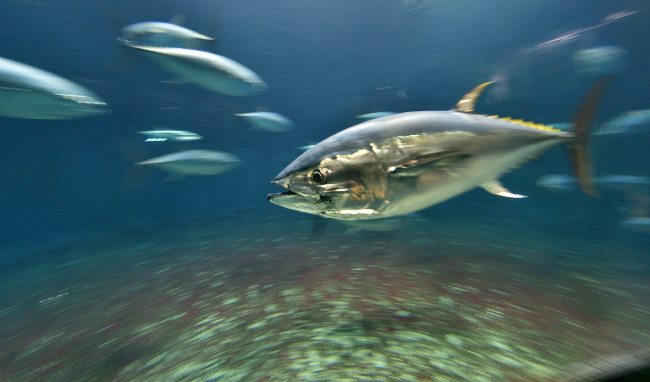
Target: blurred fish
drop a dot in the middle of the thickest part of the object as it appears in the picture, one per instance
(557, 182)
(378, 114)
(517, 72)
(160, 34)
(637, 224)
(194, 162)
(615, 182)
(171, 135)
(622, 181)
(631, 122)
(599, 61)
(269, 121)
(407, 162)
(577, 34)
(32, 93)
(207, 70)
(306, 147)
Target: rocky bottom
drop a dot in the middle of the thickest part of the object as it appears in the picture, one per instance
(439, 302)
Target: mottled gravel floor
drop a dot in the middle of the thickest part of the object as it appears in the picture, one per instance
(269, 301)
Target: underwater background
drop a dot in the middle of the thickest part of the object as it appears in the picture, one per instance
(109, 273)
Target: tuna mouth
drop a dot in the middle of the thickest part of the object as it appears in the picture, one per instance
(295, 202)
(292, 200)
(284, 183)
(280, 194)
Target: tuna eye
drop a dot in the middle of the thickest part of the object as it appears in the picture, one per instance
(317, 176)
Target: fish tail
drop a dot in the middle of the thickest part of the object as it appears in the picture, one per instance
(582, 126)
(135, 174)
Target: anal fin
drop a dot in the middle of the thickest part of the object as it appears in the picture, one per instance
(495, 187)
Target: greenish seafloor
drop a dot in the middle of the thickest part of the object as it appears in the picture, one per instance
(265, 301)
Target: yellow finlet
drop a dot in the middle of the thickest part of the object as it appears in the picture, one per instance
(466, 104)
(533, 125)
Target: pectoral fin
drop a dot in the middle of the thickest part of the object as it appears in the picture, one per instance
(495, 187)
(418, 165)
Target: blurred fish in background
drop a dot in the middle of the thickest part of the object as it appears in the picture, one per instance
(207, 70)
(600, 60)
(269, 121)
(180, 51)
(306, 147)
(32, 93)
(630, 122)
(161, 34)
(632, 204)
(612, 182)
(162, 134)
(513, 73)
(194, 162)
(378, 114)
(557, 182)
(638, 224)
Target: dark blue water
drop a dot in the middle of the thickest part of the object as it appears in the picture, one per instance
(66, 183)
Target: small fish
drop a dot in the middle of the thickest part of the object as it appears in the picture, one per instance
(600, 61)
(557, 182)
(32, 93)
(194, 162)
(623, 180)
(160, 34)
(210, 71)
(631, 122)
(265, 120)
(171, 135)
(378, 114)
(410, 161)
(637, 224)
(617, 182)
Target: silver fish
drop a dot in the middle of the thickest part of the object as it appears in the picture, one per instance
(407, 162)
(378, 114)
(306, 147)
(559, 182)
(159, 34)
(631, 122)
(623, 180)
(210, 71)
(194, 162)
(600, 60)
(171, 135)
(265, 120)
(32, 93)
(637, 224)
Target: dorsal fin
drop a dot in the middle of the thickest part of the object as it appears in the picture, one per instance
(466, 104)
